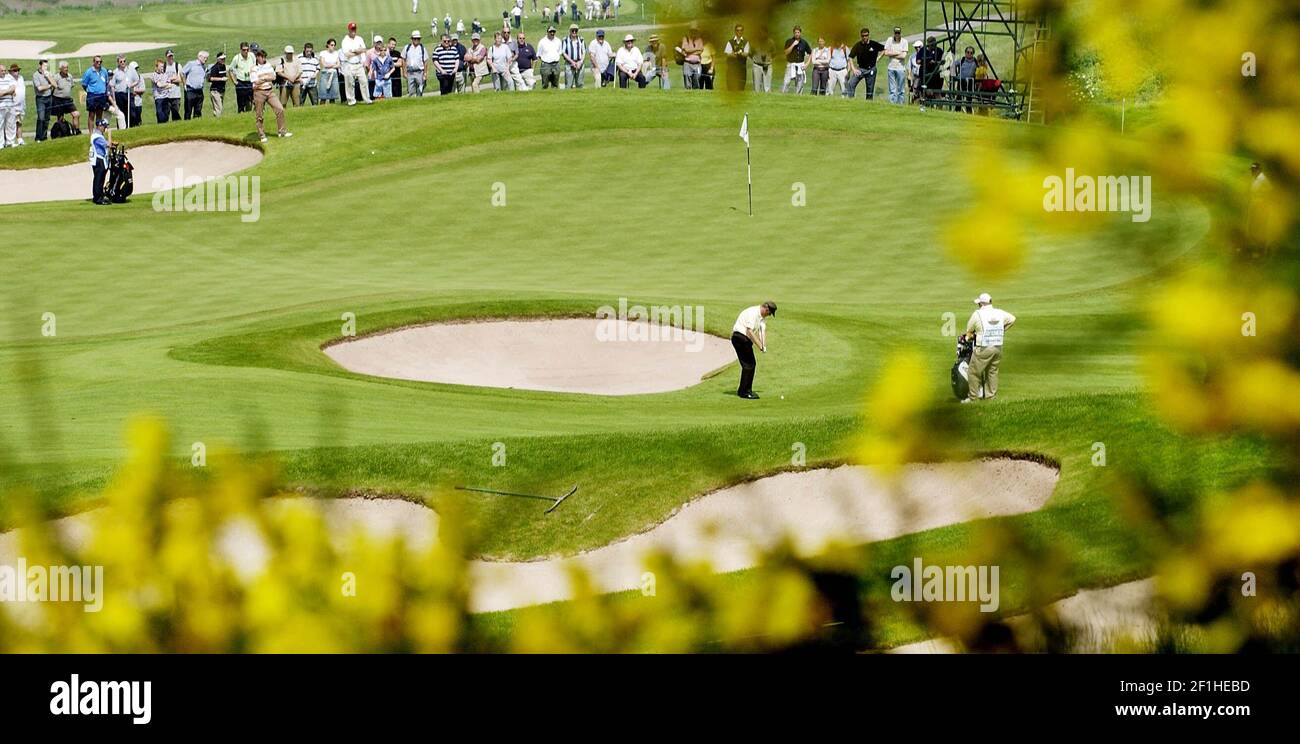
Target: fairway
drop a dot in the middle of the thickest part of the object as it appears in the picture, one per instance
(215, 324)
(240, 334)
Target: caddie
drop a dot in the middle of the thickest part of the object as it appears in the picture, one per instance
(988, 325)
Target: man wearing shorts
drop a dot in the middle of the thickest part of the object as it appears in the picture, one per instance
(95, 83)
(61, 99)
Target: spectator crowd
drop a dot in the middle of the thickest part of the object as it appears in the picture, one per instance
(351, 70)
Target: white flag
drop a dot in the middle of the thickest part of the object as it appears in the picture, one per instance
(744, 129)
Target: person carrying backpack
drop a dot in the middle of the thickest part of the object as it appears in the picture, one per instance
(416, 58)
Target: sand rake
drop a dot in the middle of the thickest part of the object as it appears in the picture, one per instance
(555, 502)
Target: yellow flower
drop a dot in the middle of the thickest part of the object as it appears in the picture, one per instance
(1255, 526)
(985, 240)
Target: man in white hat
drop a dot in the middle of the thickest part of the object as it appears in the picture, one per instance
(415, 60)
(914, 71)
(288, 77)
(989, 325)
(628, 63)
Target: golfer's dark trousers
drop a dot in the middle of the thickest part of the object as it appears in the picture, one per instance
(97, 186)
(745, 353)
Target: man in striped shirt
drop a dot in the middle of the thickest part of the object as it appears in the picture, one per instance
(574, 51)
(446, 62)
(310, 71)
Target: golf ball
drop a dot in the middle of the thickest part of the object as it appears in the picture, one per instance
(782, 397)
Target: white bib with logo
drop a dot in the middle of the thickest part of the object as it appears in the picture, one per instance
(991, 326)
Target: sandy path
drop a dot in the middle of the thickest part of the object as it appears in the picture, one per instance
(567, 355)
(25, 49)
(1098, 617)
(198, 159)
(725, 527)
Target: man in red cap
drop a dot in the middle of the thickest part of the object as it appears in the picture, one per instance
(353, 50)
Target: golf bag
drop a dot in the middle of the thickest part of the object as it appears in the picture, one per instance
(960, 382)
(121, 182)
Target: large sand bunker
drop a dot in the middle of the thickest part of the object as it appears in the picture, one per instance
(26, 49)
(728, 528)
(571, 355)
(196, 159)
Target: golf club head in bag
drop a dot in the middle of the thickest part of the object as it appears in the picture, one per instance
(121, 181)
(960, 383)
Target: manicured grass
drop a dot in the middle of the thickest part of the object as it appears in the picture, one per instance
(387, 212)
(216, 324)
(1084, 526)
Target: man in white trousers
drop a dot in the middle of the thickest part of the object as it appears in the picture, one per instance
(353, 50)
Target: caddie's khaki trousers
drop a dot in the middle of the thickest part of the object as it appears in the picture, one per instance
(983, 370)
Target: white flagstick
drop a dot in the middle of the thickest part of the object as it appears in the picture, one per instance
(749, 167)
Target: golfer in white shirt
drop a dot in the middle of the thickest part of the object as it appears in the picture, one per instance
(989, 325)
(749, 331)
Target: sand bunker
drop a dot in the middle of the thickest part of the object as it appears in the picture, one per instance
(1097, 618)
(23, 49)
(726, 528)
(197, 159)
(572, 355)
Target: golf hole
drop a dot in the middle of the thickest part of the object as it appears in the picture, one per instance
(569, 355)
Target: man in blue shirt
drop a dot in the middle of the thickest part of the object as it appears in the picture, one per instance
(195, 73)
(95, 83)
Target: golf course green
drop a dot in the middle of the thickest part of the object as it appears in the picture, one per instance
(552, 204)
